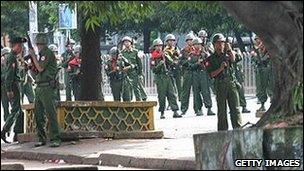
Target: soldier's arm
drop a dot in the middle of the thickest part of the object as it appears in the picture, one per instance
(218, 70)
(139, 65)
(10, 73)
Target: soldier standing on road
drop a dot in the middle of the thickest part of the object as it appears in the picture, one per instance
(255, 53)
(219, 67)
(45, 91)
(68, 55)
(204, 79)
(116, 68)
(161, 63)
(74, 72)
(4, 100)
(13, 90)
(240, 77)
(172, 50)
(135, 74)
(187, 82)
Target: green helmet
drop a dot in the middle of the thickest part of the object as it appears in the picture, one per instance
(41, 38)
(5, 50)
(218, 37)
(190, 36)
(197, 40)
(53, 47)
(113, 51)
(202, 33)
(169, 37)
(77, 49)
(157, 41)
(127, 38)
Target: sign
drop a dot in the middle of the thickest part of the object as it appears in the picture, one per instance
(67, 17)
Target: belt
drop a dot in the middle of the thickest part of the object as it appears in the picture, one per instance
(43, 83)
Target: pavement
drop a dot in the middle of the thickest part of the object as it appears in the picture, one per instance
(174, 151)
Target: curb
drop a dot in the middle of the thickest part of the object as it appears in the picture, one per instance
(106, 160)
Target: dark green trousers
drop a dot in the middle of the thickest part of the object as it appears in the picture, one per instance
(27, 89)
(120, 89)
(4, 102)
(45, 106)
(226, 92)
(204, 89)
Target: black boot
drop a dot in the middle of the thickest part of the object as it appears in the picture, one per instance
(245, 110)
(199, 113)
(262, 108)
(210, 113)
(176, 115)
(162, 115)
(3, 137)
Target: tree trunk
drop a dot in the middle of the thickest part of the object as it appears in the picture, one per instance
(280, 26)
(146, 33)
(91, 63)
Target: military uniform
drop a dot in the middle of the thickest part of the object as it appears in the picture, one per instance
(225, 86)
(160, 64)
(46, 95)
(12, 79)
(119, 81)
(4, 99)
(135, 74)
(26, 82)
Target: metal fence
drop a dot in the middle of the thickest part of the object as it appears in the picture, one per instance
(150, 87)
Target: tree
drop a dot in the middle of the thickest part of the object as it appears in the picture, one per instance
(280, 25)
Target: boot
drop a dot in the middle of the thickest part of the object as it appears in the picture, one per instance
(15, 139)
(199, 113)
(183, 112)
(245, 110)
(55, 144)
(210, 113)
(176, 115)
(162, 115)
(40, 143)
(3, 137)
(262, 108)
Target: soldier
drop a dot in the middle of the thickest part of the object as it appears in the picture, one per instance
(68, 55)
(26, 80)
(219, 67)
(187, 75)
(4, 100)
(45, 92)
(174, 53)
(160, 64)
(135, 74)
(116, 68)
(254, 61)
(205, 81)
(239, 73)
(13, 91)
(60, 71)
(264, 70)
(74, 72)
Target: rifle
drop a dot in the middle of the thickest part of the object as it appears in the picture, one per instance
(30, 46)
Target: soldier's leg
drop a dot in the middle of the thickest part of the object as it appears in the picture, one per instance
(116, 88)
(5, 103)
(186, 87)
(48, 102)
(221, 97)
(263, 86)
(68, 91)
(241, 93)
(205, 89)
(76, 88)
(257, 83)
(171, 95)
(233, 103)
(126, 95)
(22, 92)
(143, 93)
(178, 81)
(161, 86)
(197, 100)
(29, 92)
(39, 114)
(136, 87)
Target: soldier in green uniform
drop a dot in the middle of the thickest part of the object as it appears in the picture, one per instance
(205, 81)
(264, 70)
(116, 68)
(174, 53)
(75, 73)
(161, 63)
(186, 63)
(239, 73)
(26, 81)
(45, 92)
(68, 55)
(13, 90)
(254, 61)
(135, 74)
(4, 100)
(219, 67)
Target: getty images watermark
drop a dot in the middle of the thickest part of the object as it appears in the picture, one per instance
(267, 162)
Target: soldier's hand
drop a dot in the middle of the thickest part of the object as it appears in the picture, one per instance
(224, 65)
(10, 95)
(126, 68)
